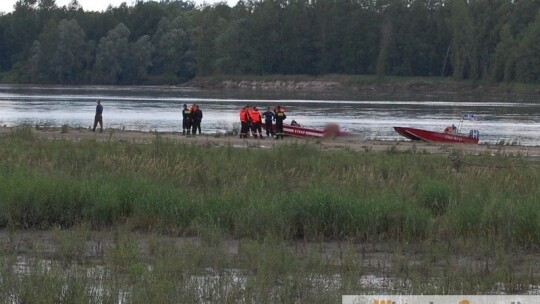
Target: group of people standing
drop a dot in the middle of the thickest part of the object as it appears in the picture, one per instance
(191, 119)
(251, 119)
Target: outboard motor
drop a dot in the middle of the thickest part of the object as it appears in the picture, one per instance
(474, 134)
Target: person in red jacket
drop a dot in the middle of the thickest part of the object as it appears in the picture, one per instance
(256, 121)
(244, 122)
(196, 118)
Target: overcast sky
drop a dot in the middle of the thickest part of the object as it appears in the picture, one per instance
(99, 5)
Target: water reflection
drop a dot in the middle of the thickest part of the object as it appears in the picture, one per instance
(159, 108)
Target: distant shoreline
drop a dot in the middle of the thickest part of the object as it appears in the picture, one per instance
(360, 86)
(371, 87)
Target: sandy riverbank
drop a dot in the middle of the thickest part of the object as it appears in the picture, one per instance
(353, 142)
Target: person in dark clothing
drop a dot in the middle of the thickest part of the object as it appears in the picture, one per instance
(196, 120)
(280, 117)
(99, 117)
(268, 117)
(186, 120)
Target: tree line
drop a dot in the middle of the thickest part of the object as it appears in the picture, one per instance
(172, 41)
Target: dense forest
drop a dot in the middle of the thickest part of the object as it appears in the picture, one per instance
(172, 41)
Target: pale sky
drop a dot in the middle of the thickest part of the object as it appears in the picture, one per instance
(101, 5)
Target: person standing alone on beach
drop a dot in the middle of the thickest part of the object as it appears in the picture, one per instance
(99, 117)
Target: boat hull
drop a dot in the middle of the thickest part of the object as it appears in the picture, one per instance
(297, 131)
(425, 135)
(301, 131)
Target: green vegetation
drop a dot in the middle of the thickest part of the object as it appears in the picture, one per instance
(172, 41)
(290, 224)
(160, 270)
(290, 192)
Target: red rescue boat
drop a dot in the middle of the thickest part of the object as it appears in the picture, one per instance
(425, 135)
(450, 135)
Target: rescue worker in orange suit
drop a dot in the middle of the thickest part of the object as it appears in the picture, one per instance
(268, 117)
(186, 120)
(280, 117)
(244, 122)
(256, 121)
(196, 118)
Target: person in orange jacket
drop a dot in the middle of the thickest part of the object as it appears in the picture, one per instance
(244, 122)
(256, 121)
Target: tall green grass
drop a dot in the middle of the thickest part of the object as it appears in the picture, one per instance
(294, 191)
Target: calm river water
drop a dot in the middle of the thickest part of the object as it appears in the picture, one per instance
(159, 108)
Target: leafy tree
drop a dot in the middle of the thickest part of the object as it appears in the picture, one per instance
(168, 41)
(48, 41)
(74, 5)
(47, 10)
(527, 55)
(34, 63)
(396, 41)
(22, 30)
(208, 26)
(112, 56)
(71, 55)
(330, 28)
(120, 62)
(462, 38)
(502, 67)
(173, 57)
(360, 45)
(140, 60)
(144, 18)
(4, 49)
(300, 51)
(264, 37)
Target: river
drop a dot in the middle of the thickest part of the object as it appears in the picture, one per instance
(159, 108)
